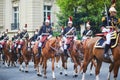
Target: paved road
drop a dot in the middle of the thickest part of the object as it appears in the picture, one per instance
(13, 73)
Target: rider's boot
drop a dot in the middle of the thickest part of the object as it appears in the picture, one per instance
(19, 53)
(65, 52)
(106, 54)
(39, 52)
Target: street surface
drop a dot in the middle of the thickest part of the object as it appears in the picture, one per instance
(13, 73)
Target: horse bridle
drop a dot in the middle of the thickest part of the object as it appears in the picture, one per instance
(56, 48)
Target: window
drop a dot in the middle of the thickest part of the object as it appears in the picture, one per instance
(15, 24)
(47, 12)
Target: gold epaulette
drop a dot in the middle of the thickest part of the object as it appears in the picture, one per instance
(118, 20)
(103, 19)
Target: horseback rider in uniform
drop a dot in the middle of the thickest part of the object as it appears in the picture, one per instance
(108, 26)
(3, 38)
(23, 36)
(34, 38)
(45, 31)
(68, 31)
(16, 39)
(87, 33)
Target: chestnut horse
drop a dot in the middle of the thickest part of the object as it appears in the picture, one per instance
(7, 55)
(26, 54)
(52, 48)
(76, 54)
(37, 61)
(91, 52)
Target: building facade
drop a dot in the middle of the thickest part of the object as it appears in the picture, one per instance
(15, 14)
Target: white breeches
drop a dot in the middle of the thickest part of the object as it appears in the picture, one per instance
(65, 41)
(108, 38)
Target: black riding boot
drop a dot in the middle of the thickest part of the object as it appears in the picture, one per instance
(106, 54)
(65, 52)
(19, 53)
(39, 52)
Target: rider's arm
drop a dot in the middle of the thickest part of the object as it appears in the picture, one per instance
(40, 31)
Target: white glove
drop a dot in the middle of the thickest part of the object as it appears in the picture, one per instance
(39, 37)
(75, 38)
(49, 36)
(105, 30)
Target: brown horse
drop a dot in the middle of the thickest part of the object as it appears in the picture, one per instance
(51, 49)
(13, 56)
(76, 54)
(97, 53)
(26, 54)
(6, 52)
(37, 61)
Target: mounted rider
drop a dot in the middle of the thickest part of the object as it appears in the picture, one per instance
(44, 34)
(34, 38)
(69, 32)
(109, 24)
(87, 33)
(23, 36)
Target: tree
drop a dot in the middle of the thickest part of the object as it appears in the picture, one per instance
(84, 10)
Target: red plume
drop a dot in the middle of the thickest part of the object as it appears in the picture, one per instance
(70, 18)
(113, 3)
(48, 17)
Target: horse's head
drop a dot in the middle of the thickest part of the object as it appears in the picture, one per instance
(56, 44)
(9, 45)
(118, 37)
(29, 45)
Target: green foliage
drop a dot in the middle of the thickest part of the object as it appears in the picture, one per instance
(83, 10)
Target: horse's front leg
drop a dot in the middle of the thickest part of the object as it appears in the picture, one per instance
(39, 67)
(45, 67)
(21, 67)
(26, 67)
(53, 73)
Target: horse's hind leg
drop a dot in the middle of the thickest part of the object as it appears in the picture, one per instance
(97, 70)
(110, 70)
(84, 67)
(93, 63)
(116, 69)
(57, 62)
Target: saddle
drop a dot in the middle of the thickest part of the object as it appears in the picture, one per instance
(114, 41)
(69, 42)
(43, 40)
(2, 43)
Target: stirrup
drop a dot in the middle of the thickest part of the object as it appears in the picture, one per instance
(106, 56)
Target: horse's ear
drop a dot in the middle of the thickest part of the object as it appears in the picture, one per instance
(56, 37)
(81, 43)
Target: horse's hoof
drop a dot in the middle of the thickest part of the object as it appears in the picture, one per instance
(45, 77)
(19, 69)
(90, 74)
(60, 73)
(26, 71)
(66, 75)
(74, 76)
(54, 79)
(39, 75)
